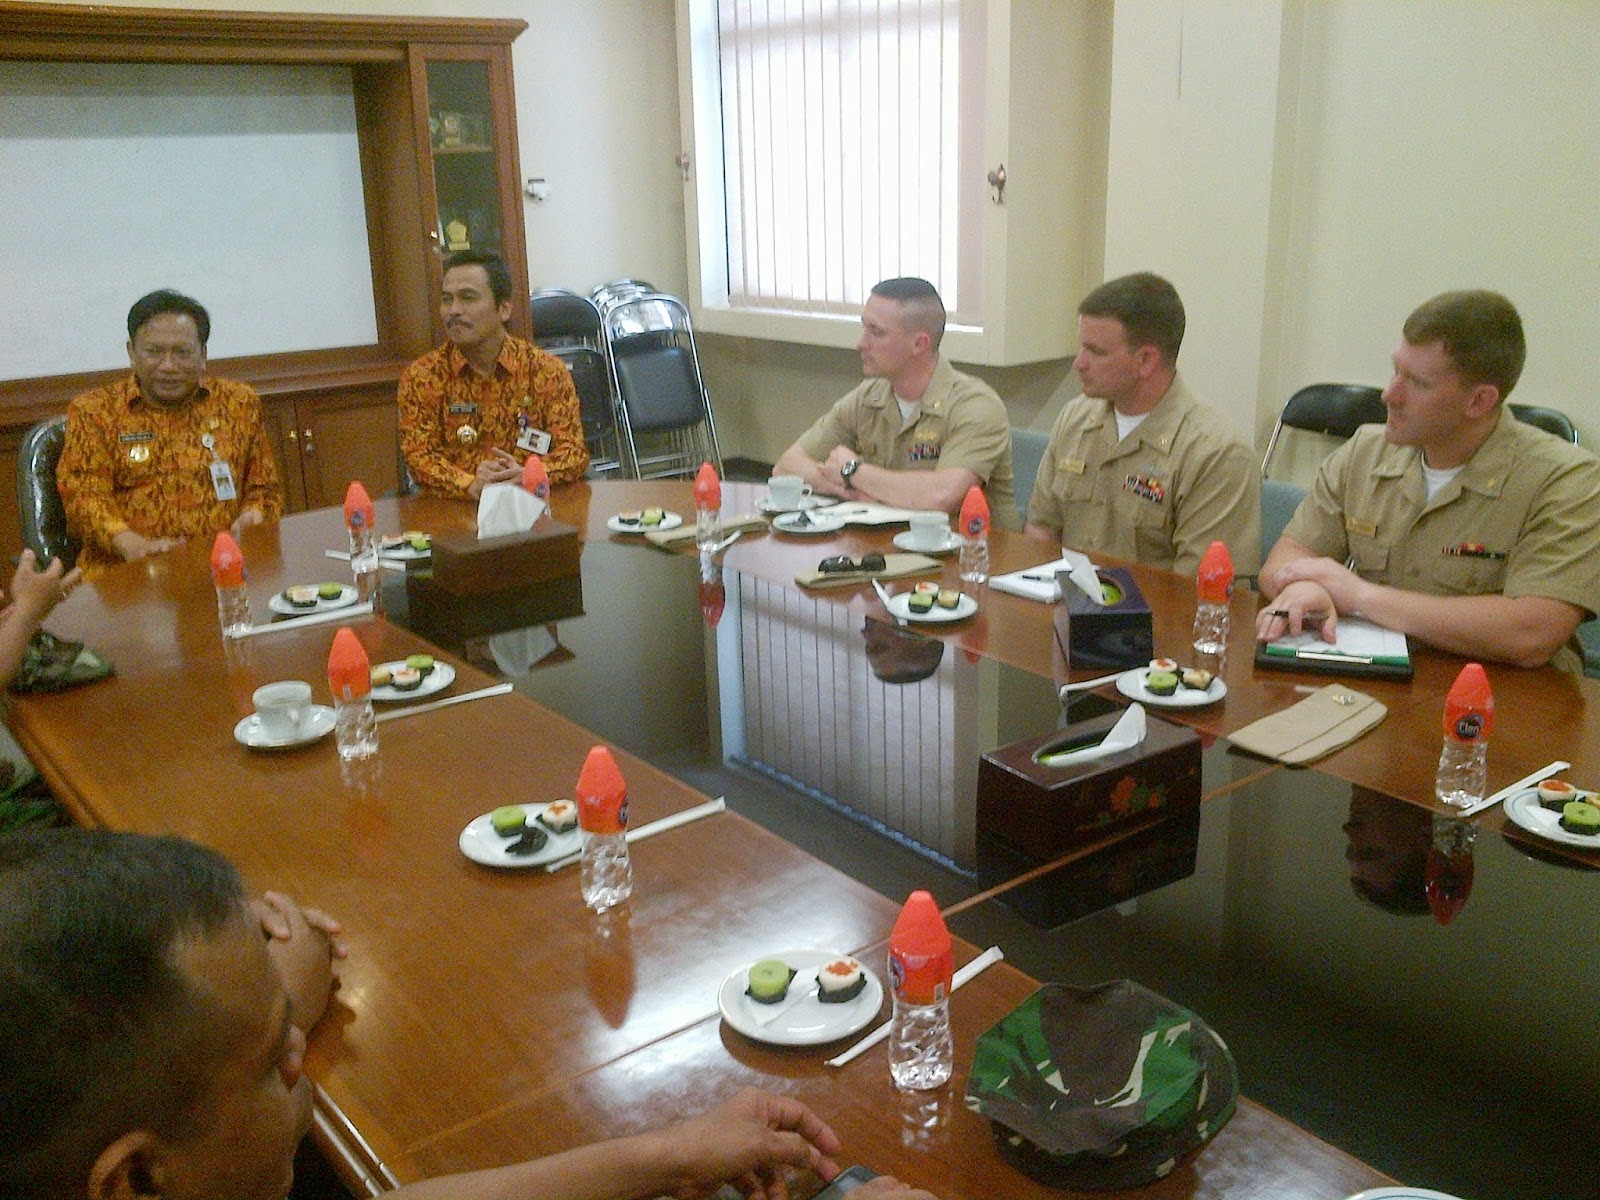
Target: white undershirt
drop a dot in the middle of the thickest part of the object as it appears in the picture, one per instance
(1433, 480)
(910, 410)
(1126, 425)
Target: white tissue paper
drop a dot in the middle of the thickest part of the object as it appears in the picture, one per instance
(1127, 733)
(507, 508)
(1039, 583)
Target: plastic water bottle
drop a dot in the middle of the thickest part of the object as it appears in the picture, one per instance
(921, 1050)
(1214, 582)
(359, 521)
(355, 728)
(535, 479)
(974, 567)
(227, 572)
(707, 507)
(1468, 720)
(607, 873)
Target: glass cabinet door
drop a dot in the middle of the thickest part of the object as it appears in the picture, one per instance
(465, 176)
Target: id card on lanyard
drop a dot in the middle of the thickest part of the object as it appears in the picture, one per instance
(221, 472)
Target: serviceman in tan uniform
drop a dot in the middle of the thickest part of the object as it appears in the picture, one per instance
(1137, 467)
(916, 433)
(1461, 526)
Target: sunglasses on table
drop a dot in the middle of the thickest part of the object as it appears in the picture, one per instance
(841, 563)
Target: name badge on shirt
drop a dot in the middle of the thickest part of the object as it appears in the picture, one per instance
(534, 441)
(142, 436)
(1072, 466)
(1362, 528)
(463, 410)
(222, 480)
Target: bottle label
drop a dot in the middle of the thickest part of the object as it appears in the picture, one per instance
(1469, 727)
(920, 978)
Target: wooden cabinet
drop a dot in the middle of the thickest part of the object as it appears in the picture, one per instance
(436, 130)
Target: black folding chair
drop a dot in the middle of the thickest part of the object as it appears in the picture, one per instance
(569, 326)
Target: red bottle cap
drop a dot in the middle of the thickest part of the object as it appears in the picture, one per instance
(975, 513)
(921, 961)
(358, 512)
(227, 561)
(1215, 578)
(1469, 709)
(349, 669)
(602, 794)
(535, 478)
(707, 487)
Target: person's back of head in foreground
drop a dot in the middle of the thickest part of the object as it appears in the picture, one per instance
(147, 1047)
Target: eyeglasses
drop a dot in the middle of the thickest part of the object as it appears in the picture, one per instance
(841, 563)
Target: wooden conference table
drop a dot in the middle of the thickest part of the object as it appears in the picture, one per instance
(486, 1016)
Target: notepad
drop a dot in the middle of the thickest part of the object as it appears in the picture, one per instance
(1359, 648)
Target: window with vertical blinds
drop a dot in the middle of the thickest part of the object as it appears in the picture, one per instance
(842, 145)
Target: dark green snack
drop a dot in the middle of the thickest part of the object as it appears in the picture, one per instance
(1161, 683)
(1582, 818)
(769, 981)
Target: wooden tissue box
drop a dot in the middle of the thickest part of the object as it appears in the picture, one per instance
(1110, 636)
(1038, 813)
(466, 565)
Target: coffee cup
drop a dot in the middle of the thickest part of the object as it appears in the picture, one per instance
(930, 530)
(787, 491)
(281, 708)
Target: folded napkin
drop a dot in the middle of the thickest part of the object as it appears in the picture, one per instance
(1330, 717)
(860, 512)
(1039, 583)
(686, 531)
(505, 508)
(895, 566)
(1127, 733)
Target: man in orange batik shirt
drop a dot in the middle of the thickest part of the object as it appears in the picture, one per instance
(168, 453)
(473, 410)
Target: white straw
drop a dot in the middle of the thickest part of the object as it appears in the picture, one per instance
(1526, 781)
(982, 963)
(391, 714)
(321, 618)
(709, 808)
(388, 564)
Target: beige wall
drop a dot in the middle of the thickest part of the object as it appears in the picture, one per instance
(1306, 170)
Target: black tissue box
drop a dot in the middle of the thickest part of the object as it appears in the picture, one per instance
(1105, 637)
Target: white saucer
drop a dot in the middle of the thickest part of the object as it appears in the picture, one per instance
(807, 1022)
(482, 844)
(280, 603)
(769, 507)
(952, 543)
(900, 606)
(800, 524)
(317, 725)
(1525, 810)
(1131, 685)
(436, 680)
(1401, 1193)
(669, 520)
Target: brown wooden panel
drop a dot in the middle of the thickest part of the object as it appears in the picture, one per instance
(354, 436)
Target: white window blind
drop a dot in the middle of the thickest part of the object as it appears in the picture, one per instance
(842, 131)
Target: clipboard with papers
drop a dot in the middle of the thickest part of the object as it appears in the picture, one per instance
(1359, 648)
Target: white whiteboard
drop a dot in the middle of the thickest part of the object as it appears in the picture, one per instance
(239, 185)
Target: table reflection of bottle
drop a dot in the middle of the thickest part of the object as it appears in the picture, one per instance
(713, 593)
(1449, 870)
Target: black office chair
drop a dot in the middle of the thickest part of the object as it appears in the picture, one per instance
(44, 520)
(1338, 409)
(667, 426)
(1550, 420)
(569, 326)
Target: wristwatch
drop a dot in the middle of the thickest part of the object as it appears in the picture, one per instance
(848, 471)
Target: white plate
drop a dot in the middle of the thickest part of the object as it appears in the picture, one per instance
(318, 724)
(1131, 685)
(1401, 1193)
(952, 543)
(770, 507)
(1525, 810)
(403, 551)
(807, 1022)
(900, 606)
(436, 680)
(482, 844)
(669, 520)
(280, 603)
(807, 524)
